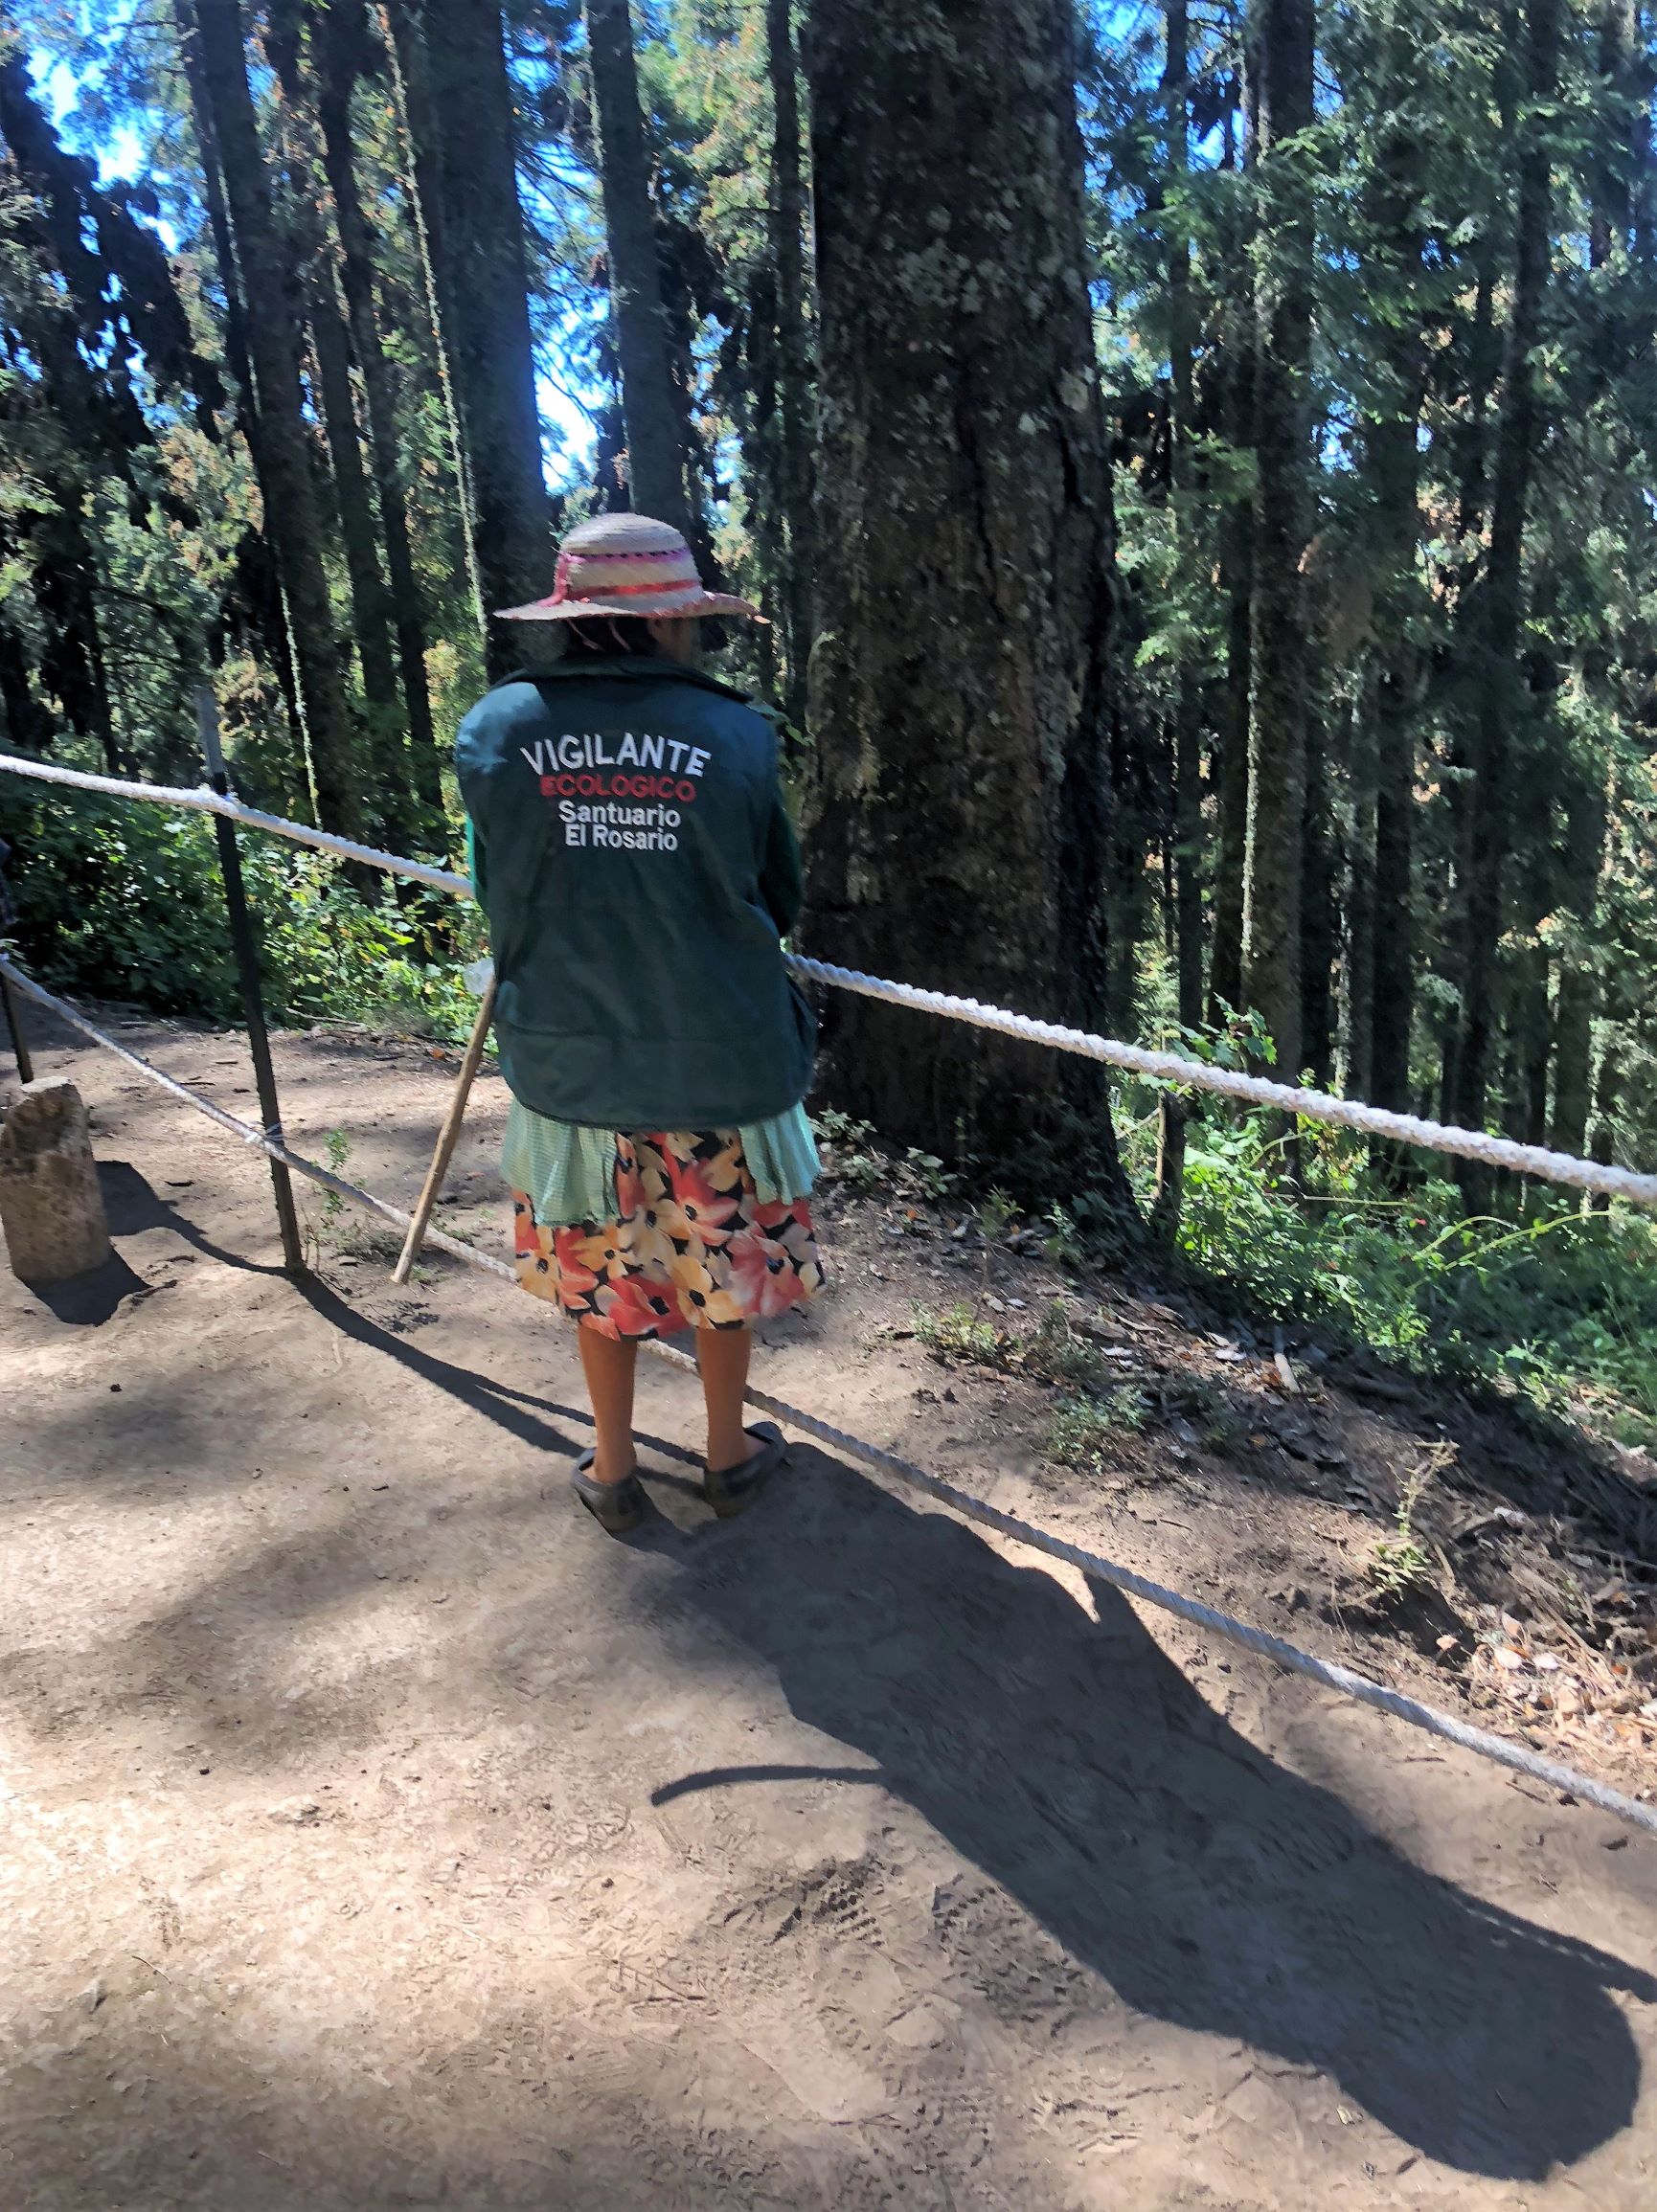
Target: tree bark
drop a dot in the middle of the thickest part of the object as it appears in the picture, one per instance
(1498, 690)
(963, 696)
(292, 518)
(1174, 1108)
(1320, 932)
(1357, 1012)
(786, 232)
(1577, 993)
(400, 32)
(1237, 586)
(1230, 775)
(483, 291)
(1391, 464)
(388, 809)
(1273, 866)
(1607, 1109)
(71, 659)
(643, 343)
(338, 66)
(275, 626)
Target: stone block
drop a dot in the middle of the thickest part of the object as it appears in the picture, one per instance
(50, 1208)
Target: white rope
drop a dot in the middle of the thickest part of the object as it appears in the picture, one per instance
(1252, 1090)
(204, 800)
(1533, 1160)
(1261, 1641)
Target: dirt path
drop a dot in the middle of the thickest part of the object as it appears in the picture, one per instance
(374, 1831)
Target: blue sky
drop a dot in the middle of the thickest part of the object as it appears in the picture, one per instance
(124, 153)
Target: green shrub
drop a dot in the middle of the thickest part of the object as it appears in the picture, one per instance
(126, 902)
(1561, 1304)
(1079, 1431)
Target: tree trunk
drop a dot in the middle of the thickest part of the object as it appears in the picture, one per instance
(388, 810)
(1358, 999)
(401, 34)
(1273, 866)
(1577, 993)
(292, 518)
(359, 541)
(963, 694)
(1225, 992)
(1498, 692)
(643, 343)
(1391, 464)
(1174, 1108)
(276, 629)
(483, 291)
(337, 70)
(786, 227)
(1607, 1108)
(1237, 587)
(65, 591)
(1320, 931)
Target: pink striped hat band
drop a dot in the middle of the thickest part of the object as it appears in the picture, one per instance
(626, 564)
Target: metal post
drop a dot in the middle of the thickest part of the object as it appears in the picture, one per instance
(25, 1064)
(248, 972)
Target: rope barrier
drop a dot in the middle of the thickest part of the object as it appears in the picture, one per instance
(1532, 1160)
(1251, 1090)
(202, 800)
(1261, 1641)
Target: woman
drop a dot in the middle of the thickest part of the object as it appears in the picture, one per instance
(632, 852)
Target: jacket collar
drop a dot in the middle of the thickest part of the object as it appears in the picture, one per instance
(627, 668)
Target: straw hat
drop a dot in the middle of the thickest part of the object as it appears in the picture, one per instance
(626, 564)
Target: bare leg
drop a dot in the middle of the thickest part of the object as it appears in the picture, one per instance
(722, 1356)
(608, 1363)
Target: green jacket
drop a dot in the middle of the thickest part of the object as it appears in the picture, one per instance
(638, 870)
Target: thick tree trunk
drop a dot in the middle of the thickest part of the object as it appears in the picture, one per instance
(642, 339)
(338, 67)
(1273, 868)
(484, 292)
(962, 687)
(786, 230)
(1498, 693)
(292, 518)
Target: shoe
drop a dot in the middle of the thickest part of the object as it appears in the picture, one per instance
(733, 1489)
(616, 1506)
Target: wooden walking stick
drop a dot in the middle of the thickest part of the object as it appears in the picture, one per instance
(447, 1138)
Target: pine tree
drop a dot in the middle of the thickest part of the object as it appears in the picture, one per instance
(1284, 34)
(650, 404)
(1500, 591)
(293, 520)
(483, 283)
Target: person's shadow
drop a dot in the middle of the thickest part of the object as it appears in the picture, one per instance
(1079, 1769)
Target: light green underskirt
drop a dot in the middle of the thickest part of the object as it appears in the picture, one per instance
(568, 1172)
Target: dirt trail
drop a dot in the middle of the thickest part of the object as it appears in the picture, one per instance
(376, 1833)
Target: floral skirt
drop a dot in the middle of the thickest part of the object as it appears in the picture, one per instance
(691, 1246)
